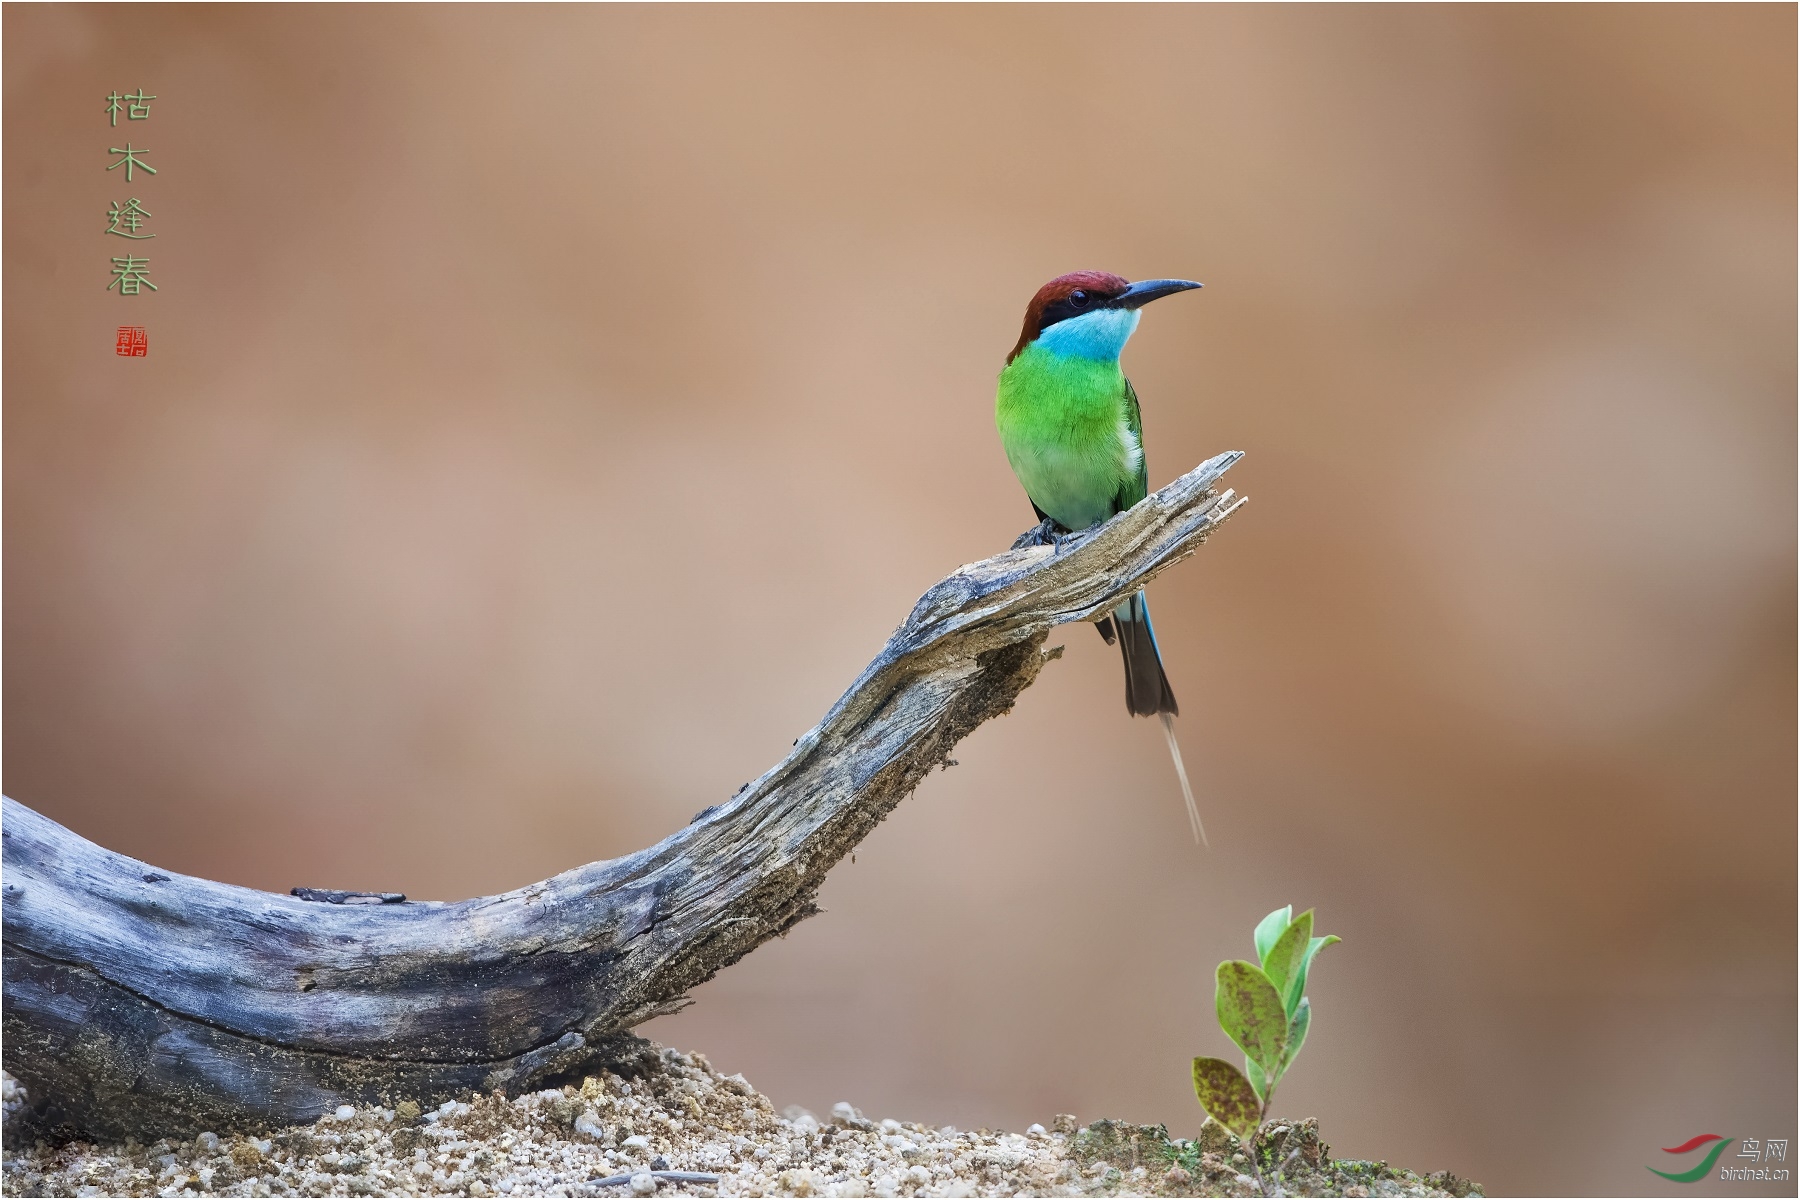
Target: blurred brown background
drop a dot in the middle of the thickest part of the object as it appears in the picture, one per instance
(548, 411)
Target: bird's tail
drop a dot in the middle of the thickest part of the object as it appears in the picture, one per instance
(1147, 691)
(1146, 687)
(1187, 793)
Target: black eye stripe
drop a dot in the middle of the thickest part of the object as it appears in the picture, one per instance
(1077, 303)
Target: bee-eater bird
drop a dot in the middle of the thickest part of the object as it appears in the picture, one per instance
(1069, 422)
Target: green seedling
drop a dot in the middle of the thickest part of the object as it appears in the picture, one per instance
(1264, 1010)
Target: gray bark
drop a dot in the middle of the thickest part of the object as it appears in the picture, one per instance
(141, 1002)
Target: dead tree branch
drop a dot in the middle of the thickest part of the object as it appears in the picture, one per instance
(141, 1002)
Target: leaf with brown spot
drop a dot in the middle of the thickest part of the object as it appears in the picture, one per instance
(1252, 1014)
(1226, 1096)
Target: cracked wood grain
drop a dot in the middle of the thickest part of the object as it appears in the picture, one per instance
(139, 1002)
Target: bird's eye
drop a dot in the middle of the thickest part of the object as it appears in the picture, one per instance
(1078, 298)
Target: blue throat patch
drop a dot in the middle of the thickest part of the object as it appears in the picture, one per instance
(1101, 334)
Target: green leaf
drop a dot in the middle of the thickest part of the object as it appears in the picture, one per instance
(1296, 1035)
(1227, 1096)
(1285, 956)
(1259, 1080)
(1297, 985)
(1251, 1012)
(1269, 928)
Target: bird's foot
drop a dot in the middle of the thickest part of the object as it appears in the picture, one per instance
(1048, 533)
(1041, 534)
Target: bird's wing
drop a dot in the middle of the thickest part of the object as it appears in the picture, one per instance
(1137, 489)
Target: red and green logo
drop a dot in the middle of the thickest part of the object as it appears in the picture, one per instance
(1688, 1147)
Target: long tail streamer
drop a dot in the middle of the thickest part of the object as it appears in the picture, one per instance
(1187, 792)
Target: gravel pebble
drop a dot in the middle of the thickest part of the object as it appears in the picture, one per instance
(675, 1112)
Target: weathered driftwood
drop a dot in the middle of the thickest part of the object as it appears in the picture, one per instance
(141, 1002)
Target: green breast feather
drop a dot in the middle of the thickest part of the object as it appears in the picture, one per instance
(1071, 430)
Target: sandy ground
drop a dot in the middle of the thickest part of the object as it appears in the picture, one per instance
(675, 1116)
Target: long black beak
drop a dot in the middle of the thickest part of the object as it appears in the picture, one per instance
(1146, 290)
